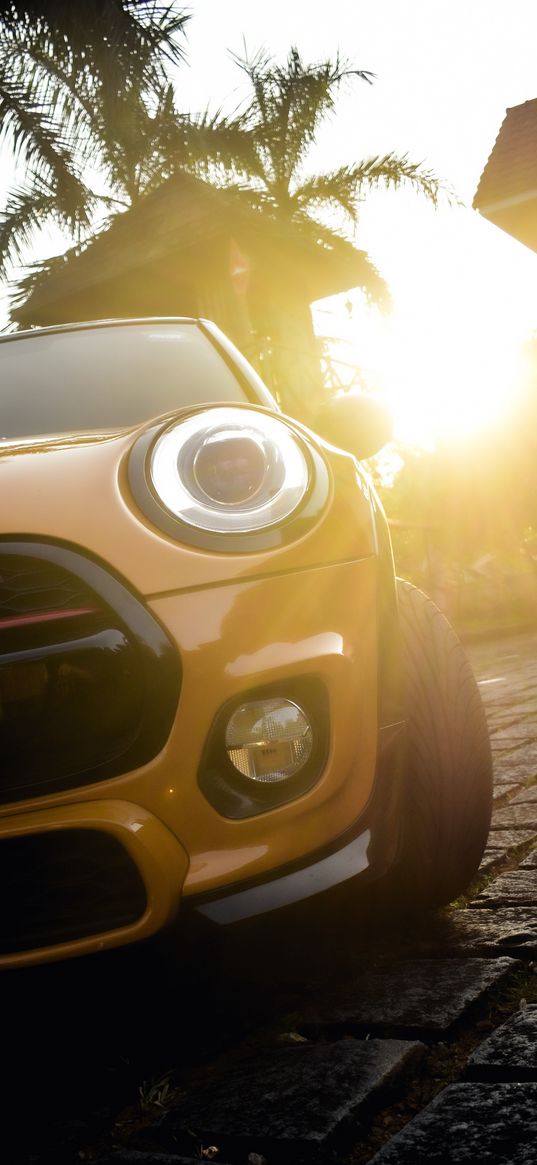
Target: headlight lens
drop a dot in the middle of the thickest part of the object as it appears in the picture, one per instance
(229, 470)
(269, 740)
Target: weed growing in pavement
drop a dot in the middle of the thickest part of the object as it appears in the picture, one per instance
(157, 1094)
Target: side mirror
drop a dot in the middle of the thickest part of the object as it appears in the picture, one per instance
(355, 422)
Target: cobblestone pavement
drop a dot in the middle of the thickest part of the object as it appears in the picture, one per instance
(422, 1048)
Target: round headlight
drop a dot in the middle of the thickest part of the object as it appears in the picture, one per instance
(229, 470)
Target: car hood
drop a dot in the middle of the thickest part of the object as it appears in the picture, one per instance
(74, 489)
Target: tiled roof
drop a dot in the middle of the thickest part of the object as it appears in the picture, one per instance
(511, 170)
(185, 217)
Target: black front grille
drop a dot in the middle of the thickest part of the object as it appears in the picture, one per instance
(65, 885)
(89, 682)
(30, 586)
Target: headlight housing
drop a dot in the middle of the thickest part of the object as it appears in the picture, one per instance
(227, 471)
(228, 476)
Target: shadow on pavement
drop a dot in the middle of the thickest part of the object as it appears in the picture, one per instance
(81, 1036)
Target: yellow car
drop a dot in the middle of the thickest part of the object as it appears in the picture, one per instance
(215, 699)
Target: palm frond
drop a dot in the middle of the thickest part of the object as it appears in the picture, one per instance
(37, 275)
(31, 207)
(25, 212)
(46, 117)
(393, 171)
(77, 75)
(287, 106)
(116, 41)
(215, 140)
(54, 86)
(338, 189)
(34, 137)
(345, 187)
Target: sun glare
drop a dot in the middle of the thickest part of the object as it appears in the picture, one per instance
(450, 386)
(438, 387)
(448, 356)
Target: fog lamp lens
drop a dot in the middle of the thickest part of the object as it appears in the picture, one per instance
(269, 740)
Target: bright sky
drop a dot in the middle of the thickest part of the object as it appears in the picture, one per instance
(464, 294)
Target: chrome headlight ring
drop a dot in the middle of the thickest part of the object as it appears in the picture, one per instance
(228, 477)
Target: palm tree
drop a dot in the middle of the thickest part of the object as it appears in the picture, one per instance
(94, 142)
(280, 121)
(113, 45)
(86, 107)
(90, 113)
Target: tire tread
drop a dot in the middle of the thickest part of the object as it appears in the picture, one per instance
(447, 797)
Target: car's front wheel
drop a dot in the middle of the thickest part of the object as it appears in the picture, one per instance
(447, 795)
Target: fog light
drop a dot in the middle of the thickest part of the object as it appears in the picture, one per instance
(269, 740)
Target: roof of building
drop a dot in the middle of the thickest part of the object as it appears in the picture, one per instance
(511, 170)
(184, 218)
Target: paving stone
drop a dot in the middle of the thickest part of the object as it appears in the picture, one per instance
(526, 796)
(508, 739)
(502, 749)
(527, 705)
(530, 861)
(517, 728)
(140, 1157)
(503, 931)
(517, 733)
(509, 773)
(510, 1052)
(500, 719)
(503, 715)
(516, 709)
(508, 761)
(412, 997)
(507, 930)
(469, 1123)
(513, 736)
(504, 789)
(515, 887)
(509, 838)
(523, 754)
(494, 700)
(515, 817)
(287, 1103)
(491, 860)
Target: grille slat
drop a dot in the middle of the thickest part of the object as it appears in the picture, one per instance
(28, 586)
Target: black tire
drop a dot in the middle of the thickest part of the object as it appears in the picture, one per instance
(447, 792)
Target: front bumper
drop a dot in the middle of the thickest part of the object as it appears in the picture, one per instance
(321, 875)
(146, 845)
(363, 854)
(358, 858)
(319, 624)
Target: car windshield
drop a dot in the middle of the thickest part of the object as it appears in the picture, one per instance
(108, 377)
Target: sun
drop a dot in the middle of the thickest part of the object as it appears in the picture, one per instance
(438, 386)
(447, 356)
(442, 379)
(447, 386)
(445, 375)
